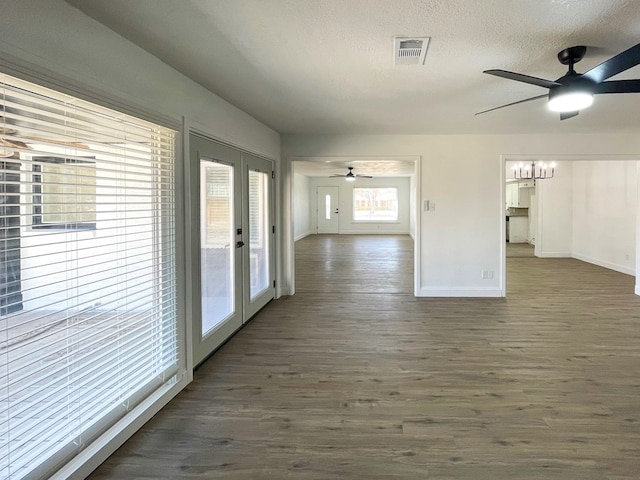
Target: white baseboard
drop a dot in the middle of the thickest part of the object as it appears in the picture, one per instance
(605, 264)
(555, 255)
(373, 232)
(637, 291)
(301, 236)
(473, 292)
(98, 451)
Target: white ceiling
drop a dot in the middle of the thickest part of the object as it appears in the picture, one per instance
(325, 66)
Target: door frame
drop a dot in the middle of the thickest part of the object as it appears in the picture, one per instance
(197, 350)
(203, 347)
(548, 158)
(285, 215)
(251, 307)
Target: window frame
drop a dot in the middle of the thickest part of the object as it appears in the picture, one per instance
(376, 220)
(37, 195)
(87, 452)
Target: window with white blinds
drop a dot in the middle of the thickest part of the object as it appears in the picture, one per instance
(88, 323)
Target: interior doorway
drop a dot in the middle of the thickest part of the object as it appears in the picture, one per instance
(308, 202)
(587, 211)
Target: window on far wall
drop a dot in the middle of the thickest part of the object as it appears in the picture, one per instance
(375, 204)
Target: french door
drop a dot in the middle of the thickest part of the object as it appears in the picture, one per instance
(232, 211)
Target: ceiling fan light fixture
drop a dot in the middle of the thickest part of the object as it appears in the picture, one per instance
(350, 176)
(574, 91)
(570, 101)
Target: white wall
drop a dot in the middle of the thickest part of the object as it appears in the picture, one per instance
(50, 36)
(555, 232)
(462, 174)
(302, 216)
(604, 213)
(347, 225)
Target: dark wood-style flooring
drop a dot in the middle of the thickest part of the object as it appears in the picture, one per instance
(354, 378)
(520, 250)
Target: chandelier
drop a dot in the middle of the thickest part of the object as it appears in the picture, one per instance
(533, 171)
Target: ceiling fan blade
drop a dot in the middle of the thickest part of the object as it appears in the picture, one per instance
(337, 176)
(364, 176)
(565, 115)
(519, 77)
(618, 86)
(621, 62)
(514, 103)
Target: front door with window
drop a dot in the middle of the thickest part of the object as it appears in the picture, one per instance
(327, 217)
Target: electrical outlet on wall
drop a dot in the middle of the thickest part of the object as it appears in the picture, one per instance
(487, 274)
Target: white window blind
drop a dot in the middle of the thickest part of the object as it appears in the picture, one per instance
(87, 273)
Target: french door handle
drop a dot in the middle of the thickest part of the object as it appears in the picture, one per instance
(239, 244)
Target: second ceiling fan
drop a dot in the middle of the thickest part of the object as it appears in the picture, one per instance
(574, 91)
(351, 177)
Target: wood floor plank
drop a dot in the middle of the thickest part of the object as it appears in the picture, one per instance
(353, 377)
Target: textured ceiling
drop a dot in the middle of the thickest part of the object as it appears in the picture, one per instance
(325, 66)
(377, 167)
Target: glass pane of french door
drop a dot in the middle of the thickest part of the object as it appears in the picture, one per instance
(259, 232)
(258, 224)
(214, 244)
(217, 248)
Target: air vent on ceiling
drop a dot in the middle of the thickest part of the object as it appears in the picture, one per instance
(409, 50)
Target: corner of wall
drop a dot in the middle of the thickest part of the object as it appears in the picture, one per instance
(301, 236)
